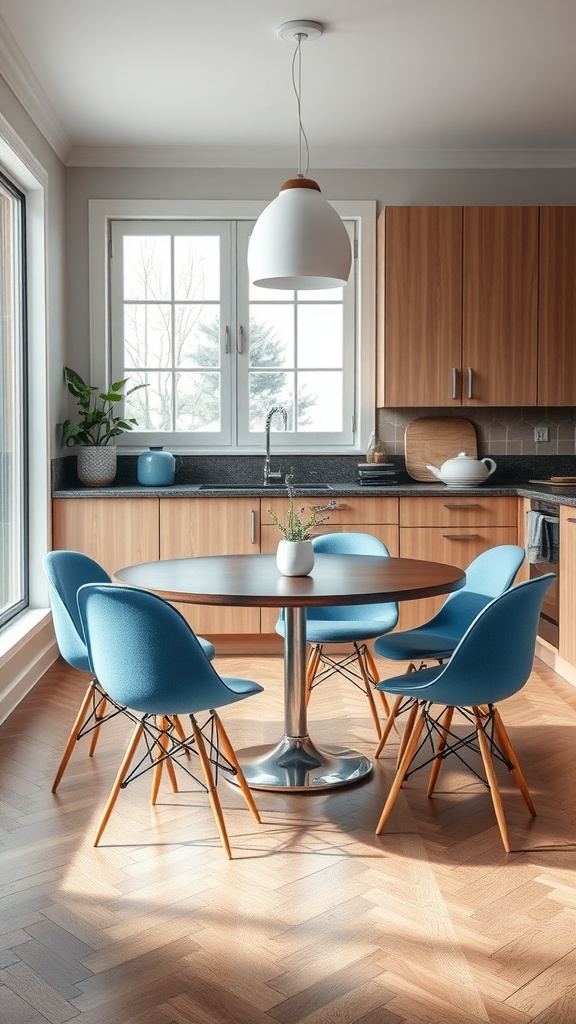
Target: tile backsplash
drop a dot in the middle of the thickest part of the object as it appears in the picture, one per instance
(499, 431)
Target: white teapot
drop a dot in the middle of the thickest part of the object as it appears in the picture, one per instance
(464, 471)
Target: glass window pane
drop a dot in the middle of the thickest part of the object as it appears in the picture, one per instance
(321, 295)
(152, 405)
(320, 401)
(272, 335)
(198, 401)
(147, 267)
(197, 335)
(147, 333)
(197, 267)
(320, 336)
(13, 449)
(268, 389)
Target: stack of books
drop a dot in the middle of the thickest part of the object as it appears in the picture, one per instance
(377, 474)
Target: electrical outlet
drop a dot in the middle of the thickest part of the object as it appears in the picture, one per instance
(541, 433)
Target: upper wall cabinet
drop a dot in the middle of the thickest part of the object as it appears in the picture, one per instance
(458, 306)
(557, 307)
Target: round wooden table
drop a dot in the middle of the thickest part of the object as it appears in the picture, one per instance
(295, 762)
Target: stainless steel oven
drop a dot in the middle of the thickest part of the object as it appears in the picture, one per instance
(549, 616)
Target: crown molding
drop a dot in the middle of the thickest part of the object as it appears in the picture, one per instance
(21, 79)
(357, 158)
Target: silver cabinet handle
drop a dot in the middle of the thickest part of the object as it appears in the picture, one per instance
(240, 341)
(454, 381)
(252, 527)
(469, 382)
(571, 520)
(227, 340)
(461, 504)
(459, 536)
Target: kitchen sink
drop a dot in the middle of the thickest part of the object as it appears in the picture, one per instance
(277, 485)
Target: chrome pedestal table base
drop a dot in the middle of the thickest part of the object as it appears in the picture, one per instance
(295, 763)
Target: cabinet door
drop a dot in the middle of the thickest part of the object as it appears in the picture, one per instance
(567, 639)
(212, 526)
(452, 546)
(557, 308)
(422, 316)
(114, 531)
(499, 346)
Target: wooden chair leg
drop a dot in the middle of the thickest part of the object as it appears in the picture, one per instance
(100, 712)
(407, 730)
(369, 694)
(230, 754)
(401, 773)
(162, 746)
(440, 747)
(492, 780)
(179, 730)
(122, 772)
(375, 677)
(311, 670)
(212, 792)
(72, 739)
(390, 724)
(508, 750)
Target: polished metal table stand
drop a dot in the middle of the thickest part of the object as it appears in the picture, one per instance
(296, 763)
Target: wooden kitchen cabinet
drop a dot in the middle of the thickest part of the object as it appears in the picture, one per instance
(375, 515)
(567, 600)
(420, 305)
(457, 306)
(557, 306)
(114, 531)
(453, 530)
(212, 526)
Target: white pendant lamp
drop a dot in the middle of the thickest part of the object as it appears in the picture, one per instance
(299, 241)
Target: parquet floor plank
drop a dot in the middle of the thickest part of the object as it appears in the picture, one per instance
(316, 920)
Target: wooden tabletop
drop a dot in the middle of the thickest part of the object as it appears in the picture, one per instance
(254, 580)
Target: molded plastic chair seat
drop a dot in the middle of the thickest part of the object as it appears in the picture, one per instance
(151, 662)
(347, 624)
(67, 571)
(492, 661)
(487, 576)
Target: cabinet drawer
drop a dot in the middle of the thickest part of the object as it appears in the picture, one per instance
(348, 511)
(462, 511)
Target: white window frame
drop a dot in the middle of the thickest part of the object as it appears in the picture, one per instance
(103, 211)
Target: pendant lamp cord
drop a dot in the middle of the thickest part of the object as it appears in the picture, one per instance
(297, 86)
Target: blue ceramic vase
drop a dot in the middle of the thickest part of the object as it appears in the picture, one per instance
(156, 468)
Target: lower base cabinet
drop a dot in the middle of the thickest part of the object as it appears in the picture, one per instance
(567, 600)
(453, 531)
(114, 531)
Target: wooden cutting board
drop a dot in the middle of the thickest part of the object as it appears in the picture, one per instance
(434, 439)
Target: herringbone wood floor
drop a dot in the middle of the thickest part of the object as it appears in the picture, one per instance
(316, 919)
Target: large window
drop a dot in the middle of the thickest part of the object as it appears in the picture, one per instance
(216, 353)
(13, 446)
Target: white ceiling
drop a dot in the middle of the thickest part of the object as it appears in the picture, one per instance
(390, 82)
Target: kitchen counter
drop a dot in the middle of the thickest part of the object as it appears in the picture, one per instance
(557, 495)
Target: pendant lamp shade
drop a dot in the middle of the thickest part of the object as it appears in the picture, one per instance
(299, 241)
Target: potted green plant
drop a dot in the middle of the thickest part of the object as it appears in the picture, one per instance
(97, 425)
(295, 554)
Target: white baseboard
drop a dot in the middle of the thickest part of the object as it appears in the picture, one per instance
(28, 649)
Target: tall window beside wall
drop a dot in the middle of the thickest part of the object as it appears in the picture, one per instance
(216, 353)
(13, 433)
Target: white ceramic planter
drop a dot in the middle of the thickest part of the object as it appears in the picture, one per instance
(295, 557)
(96, 465)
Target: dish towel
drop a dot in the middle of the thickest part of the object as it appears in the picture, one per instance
(541, 537)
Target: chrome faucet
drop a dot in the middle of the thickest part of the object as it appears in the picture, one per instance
(268, 474)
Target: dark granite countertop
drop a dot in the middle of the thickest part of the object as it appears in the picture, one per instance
(556, 495)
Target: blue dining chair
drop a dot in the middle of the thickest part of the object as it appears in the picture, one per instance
(347, 624)
(491, 573)
(150, 662)
(492, 661)
(67, 571)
